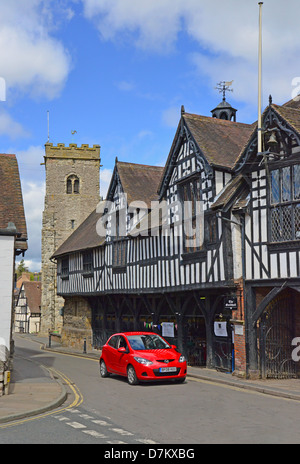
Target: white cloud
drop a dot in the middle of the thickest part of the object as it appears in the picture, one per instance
(153, 24)
(227, 34)
(11, 128)
(33, 198)
(31, 59)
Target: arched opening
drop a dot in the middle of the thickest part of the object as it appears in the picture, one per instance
(72, 184)
(224, 115)
(278, 325)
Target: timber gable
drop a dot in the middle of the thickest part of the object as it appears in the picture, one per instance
(154, 269)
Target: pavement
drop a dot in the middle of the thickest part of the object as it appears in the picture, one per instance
(43, 391)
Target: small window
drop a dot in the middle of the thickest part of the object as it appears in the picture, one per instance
(211, 229)
(72, 184)
(65, 267)
(113, 341)
(191, 195)
(69, 186)
(87, 262)
(122, 343)
(76, 186)
(119, 253)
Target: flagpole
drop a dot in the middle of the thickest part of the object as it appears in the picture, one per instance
(259, 129)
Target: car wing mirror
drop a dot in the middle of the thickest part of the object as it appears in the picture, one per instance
(122, 350)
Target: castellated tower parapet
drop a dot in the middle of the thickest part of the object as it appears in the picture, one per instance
(72, 193)
(84, 151)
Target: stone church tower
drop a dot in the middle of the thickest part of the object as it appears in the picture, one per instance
(72, 193)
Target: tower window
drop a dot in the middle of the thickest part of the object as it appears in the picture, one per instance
(72, 184)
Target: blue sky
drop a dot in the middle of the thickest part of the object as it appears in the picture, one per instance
(118, 71)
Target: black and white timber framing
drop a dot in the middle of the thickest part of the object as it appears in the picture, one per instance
(250, 241)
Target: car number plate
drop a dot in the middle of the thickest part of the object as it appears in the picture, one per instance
(167, 369)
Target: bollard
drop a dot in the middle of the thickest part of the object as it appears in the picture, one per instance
(84, 345)
(49, 345)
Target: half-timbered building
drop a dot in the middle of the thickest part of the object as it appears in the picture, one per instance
(204, 251)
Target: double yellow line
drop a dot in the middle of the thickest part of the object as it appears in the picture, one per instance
(78, 399)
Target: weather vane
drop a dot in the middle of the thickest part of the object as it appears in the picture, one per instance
(223, 86)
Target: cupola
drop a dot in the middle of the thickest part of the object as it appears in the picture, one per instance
(224, 110)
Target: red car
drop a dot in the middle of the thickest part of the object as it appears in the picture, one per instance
(142, 356)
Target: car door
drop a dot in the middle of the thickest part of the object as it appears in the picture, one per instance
(121, 358)
(111, 352)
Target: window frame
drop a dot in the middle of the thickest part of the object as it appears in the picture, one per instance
(72, 185)
(119, 254)
(284, 203)
(87, 263)
(65, 268)
(197, 253)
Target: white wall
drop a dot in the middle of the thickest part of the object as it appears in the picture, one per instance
(6, 292)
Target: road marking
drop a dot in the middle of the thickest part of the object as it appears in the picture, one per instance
(86, 416)
(121, 431)
(101, 422)
(76, 425)
(117, 442)
(94, 433)
(77, 401)
(146, 441)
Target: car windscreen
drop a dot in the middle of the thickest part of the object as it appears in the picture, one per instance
(147, 342)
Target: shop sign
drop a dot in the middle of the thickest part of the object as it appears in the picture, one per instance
(230, 302)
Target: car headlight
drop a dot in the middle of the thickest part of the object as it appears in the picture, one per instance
(181, 359)
(144, 361)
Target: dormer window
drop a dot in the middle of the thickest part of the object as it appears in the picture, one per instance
(72, 184)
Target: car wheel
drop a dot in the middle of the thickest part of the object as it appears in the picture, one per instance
(131, 376)
(103, 369)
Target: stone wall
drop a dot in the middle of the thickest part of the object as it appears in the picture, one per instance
(77, 325)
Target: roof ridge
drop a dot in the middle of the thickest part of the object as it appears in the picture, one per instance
(217, 120)
(141, 165)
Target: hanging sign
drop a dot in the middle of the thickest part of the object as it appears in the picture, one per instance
(230, 302)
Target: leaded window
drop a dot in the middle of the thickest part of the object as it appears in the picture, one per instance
(285, 204)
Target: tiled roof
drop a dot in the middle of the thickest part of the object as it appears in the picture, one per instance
(291, 114)
(11, 199)
(33, 292)
(220, 141)
(294, 103)
(140, 182)
(83, 238)
(229, 191)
